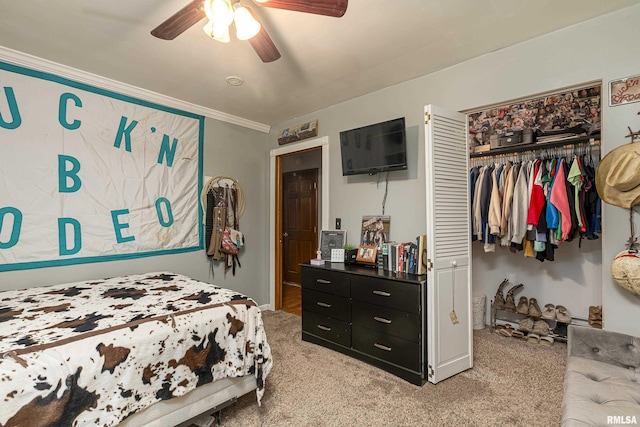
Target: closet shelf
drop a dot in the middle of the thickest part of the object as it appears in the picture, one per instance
(583, 140)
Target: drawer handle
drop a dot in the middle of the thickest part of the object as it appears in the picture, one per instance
(324, 304)
(382, 347)
(326, 282)
(382, 320)
(324, 328)
(382, 293)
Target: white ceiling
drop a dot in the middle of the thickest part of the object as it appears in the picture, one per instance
(376, 44)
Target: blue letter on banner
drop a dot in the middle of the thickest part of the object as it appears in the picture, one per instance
(124, 131)
(167, 152)
(118, 226)
(62, 236)
(17, 224)
(62, 110)
(13, 108)
(169, 221)
(63, 174)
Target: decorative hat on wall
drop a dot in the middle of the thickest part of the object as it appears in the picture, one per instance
(618, 176)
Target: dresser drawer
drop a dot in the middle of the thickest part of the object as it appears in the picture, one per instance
(387, 320)
(325, 281)
(327, 328)
(326, 304)
(388, 293)
(387, 347)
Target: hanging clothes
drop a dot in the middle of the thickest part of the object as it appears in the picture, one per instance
(532, 205)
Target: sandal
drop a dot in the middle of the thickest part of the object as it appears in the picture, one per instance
(519, 334)
(549, 312)
(498, 301)
(540, 327)
(562, 314)
(534, 308)
(507, 331)
(510, 303)
(547, 340)
(595, 317)
(534, 338)
(523, 306)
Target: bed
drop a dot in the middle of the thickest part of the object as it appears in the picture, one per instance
(149, 349)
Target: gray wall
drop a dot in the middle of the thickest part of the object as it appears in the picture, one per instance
(600, 49)
(228, 150)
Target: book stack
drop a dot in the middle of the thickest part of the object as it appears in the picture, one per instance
(405, 257)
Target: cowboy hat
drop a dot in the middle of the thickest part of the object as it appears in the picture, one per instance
(618, 176)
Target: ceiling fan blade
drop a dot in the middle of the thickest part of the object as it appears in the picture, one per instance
(180, 21)
(262, 43)
(335, 8)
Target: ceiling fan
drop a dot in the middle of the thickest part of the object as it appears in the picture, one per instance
(222, 13)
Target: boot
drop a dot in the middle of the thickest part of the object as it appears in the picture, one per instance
(498, 301)
(595, 317)
(510, 303)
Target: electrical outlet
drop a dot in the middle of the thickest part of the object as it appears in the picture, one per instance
(338, 223)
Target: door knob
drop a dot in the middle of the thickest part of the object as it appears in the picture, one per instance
(285, 234)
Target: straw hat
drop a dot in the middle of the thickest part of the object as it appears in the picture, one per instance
(625, 270)
(618, 176)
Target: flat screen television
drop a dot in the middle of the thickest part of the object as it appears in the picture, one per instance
(374, 148)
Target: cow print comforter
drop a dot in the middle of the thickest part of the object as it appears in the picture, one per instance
(92, 353)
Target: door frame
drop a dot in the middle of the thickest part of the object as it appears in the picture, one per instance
(275, 208)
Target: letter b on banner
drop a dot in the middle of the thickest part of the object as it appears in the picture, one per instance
(65, 175)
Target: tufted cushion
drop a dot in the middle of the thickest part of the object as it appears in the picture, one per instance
(602, 378)
(605, 346)
(596, 390)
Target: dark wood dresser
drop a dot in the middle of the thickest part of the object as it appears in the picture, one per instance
(375, 316)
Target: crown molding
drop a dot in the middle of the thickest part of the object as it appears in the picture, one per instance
(29, 61)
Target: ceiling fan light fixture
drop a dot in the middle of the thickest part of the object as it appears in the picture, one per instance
(246, 24)
(219, 11)
(217, 32)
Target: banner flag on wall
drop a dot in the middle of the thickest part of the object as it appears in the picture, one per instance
(90, 175)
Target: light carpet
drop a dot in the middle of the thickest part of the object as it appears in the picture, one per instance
(512, 383)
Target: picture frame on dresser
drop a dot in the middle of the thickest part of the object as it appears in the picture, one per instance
(331, 239)
(367, 254)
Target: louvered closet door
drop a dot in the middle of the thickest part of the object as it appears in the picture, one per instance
(449, 344)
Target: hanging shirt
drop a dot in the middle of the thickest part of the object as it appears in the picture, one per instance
(560, 200)
(520, 205)
(536, 202)
(495, 205)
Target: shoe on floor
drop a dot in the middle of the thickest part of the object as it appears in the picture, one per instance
(534, 338)
(547, 340)
(595, 317)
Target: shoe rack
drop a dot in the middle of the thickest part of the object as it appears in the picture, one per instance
(558, 329)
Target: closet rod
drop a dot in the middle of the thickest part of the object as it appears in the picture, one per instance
(580, 142)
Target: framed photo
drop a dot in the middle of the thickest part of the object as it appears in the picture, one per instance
(367, 254)
(331, 239)
(375, 230)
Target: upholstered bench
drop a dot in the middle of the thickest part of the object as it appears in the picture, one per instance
(602, 378)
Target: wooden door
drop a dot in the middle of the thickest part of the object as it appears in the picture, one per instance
(300, 221)
(449, 305)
